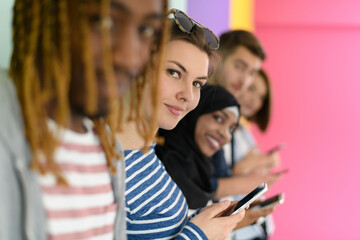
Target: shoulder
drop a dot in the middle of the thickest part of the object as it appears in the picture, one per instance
(8, 97)
(11, 120)
(7, 88)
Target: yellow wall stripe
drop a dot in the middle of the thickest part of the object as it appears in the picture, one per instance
(241, 14)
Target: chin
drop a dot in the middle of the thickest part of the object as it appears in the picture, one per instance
(97, 115)
(209, 153)
(167, 125)
(102, 111)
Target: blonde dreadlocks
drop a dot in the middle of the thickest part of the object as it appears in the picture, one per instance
(41, 70)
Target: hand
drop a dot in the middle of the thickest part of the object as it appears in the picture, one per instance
(214, 226)
(266, 175)
(274, 160)
(244, 184)
(250, 162)
(252, 216)
(254, 160)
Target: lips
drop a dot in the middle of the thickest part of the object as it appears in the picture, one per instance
(177, 111)
(214, 143)
(237, 87)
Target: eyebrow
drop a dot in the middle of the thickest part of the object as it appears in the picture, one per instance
(203, 78)
(154, 16)
(121, 7)
(179, 65)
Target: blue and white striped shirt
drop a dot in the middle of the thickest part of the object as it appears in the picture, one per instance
(155, 205)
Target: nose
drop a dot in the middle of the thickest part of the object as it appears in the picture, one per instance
(185, 92)
(252, 99)
(127, 50)
(248, 79)
(226, 134)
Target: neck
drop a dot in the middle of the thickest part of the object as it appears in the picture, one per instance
(130, 138)
(76, 123)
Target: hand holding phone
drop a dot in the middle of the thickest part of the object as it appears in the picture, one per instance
(252, 196)
(276, 148)
(270, 202)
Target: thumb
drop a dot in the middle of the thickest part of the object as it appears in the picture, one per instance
(236, 218)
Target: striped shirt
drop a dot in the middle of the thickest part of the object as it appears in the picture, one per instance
(86, 209)
(155, 205)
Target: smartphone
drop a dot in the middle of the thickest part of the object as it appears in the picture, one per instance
(282, 171)
(270, 202)
(276, 148)
(252, 196)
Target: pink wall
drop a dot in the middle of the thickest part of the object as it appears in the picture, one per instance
(313, 51)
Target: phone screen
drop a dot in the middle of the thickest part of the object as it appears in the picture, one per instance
(252, 196)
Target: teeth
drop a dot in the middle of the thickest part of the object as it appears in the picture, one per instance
(213, 141)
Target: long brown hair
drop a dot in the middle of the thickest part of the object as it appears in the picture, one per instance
(262, 117)
(198, 39)
(41, 70)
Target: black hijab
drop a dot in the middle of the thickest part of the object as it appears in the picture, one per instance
(187, 166)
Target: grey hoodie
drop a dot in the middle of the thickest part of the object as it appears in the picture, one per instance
(22, 214)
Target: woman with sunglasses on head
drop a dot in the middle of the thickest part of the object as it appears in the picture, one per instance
(156, 207)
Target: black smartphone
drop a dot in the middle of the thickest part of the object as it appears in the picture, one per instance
(270, 202)
(276, 148)
(252, 196)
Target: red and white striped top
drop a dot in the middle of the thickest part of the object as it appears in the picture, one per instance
(86, 209)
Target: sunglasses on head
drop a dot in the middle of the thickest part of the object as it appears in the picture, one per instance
(186, 24)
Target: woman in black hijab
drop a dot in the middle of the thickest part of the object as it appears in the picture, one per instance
(188, 148)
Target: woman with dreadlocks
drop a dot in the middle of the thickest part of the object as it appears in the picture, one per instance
(155, 205)
(61, 177)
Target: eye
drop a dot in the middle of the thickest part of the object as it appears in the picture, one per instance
(95, 20)
(218, 119)
(198, 84)
(239, 67)
(96, 23)
(147, 31)
(173, 73)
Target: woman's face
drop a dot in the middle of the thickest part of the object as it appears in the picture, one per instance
(213, 131)
(184, 73)
(253, 97)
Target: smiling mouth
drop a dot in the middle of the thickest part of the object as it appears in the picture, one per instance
(214, 144)
(123, 79)
(237, 87)
(174, 110)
